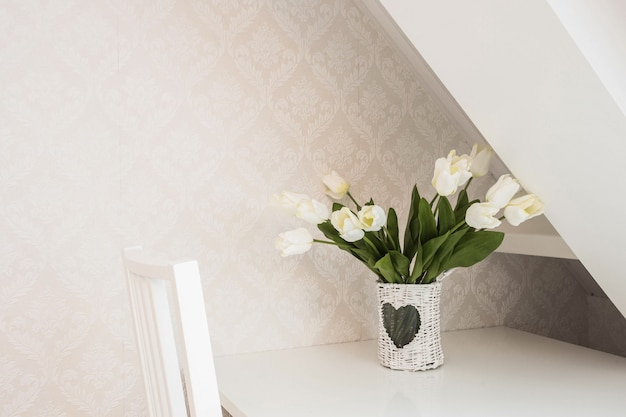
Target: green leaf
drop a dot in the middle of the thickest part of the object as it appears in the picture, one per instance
(446, 250)
(385, 266)
(337, 206)
(331, 233)
(362, 253)
(473, 247)
(373, 243)
(369, 264)
(447, 219)
(402, 324)
(435, 268)
(431, 247)
(427, 221)
(365, 256)
(438, 264)
(418, 266)
(411, 234)
(393, 232)
(433, 271)
(462, 200)
(401, 263)
(462, 204)
(394, 266)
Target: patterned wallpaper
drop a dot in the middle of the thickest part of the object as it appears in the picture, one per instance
(170, 124)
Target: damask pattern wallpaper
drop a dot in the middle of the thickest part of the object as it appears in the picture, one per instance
(169, 124)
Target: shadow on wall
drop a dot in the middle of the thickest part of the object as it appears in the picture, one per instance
(592, 320)
(606, 324)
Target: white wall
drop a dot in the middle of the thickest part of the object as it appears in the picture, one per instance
(597, 27)
(169, 124)
(523, 81)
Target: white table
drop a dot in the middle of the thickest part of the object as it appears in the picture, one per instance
(487, 372)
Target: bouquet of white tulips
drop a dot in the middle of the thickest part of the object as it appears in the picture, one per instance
(438, 236)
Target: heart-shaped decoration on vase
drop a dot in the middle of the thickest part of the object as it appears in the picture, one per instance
(402, 324)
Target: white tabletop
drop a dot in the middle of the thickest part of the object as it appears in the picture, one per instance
(487, 372)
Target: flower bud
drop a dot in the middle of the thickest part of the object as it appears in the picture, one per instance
(294, 242)
(288, 200)
(373, 218)
(336, 186)
(312, 211)
(503, 191)
(347, 224)
(480, 159)
(450, 173)
(523, 208)
(481, 216)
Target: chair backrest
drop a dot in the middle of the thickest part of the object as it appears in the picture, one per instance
(172, 336)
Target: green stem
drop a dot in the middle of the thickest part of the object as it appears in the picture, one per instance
(458, 226)
(383, 235)
(326, 242)
(433, 200)
(436, 207)
(468, 183)
(358, 206)
(371, 246)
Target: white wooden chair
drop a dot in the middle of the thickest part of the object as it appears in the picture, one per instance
(168, 312)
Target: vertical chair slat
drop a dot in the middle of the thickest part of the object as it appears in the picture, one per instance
(150, 286)
(196, 344)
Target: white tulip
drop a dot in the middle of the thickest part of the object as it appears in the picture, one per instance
(481, 216)
(312, 211)
(373, 218)
(443, 181)
(480, 159)
(347, 224)
(461, 164)
(289, 201)
(503, 191)
(450, 173)
(294, 242)
(523, 208)
(336, 186)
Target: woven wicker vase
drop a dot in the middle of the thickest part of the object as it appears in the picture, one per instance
(409, 331)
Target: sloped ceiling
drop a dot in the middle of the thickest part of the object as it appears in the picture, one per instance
(518, 72)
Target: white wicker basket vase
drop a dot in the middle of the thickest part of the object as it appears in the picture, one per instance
(409, 326)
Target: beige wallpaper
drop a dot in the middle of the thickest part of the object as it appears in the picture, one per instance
(169, 124)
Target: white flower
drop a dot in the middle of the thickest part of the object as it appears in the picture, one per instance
(289, 201)
(444, 182)
(503, 191)
(523, 208)
(347, 224)
(372, 218)
(336, 186)
(450, 173)
(481, 216)
(312, 211)
(480, 159)
(294, 242)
